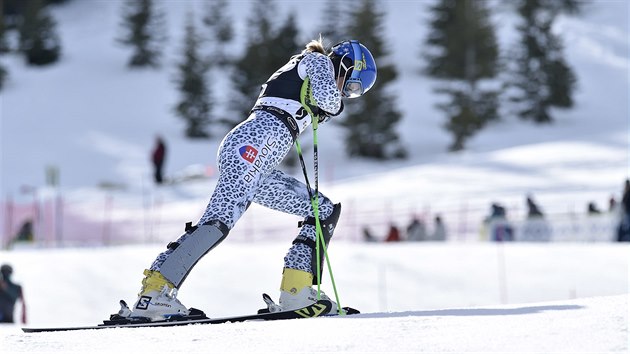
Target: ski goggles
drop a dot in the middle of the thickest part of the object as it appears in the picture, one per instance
(352, 87)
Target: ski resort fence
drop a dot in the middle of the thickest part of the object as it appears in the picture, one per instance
(55, 222)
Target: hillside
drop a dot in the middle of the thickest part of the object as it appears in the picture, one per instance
(106, 116)
(99, 129)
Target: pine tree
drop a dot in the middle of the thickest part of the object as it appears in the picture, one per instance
(370, 121)
(332, 17)
(267, 49)
(221, 29)
(540, 77)
(463, 51)
(13, 13)
(3, 48)
(14, 10)
(143, 25)
(285, 42)
(3, 76)
(260, 22)
(39, 41)
(192, 81)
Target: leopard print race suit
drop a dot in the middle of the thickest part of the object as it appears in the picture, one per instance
(250, 153)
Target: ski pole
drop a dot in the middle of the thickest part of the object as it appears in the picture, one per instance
(314, 196)
(318, 227)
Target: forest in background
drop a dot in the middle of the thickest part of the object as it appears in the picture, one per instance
(478, 81)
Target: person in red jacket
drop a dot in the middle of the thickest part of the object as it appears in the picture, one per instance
(393, 235)
(158, 156)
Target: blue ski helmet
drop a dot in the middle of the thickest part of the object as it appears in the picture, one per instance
(354, 65)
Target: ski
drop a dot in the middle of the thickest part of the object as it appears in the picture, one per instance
(318, 309)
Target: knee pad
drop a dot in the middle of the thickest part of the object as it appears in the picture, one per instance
(328, 228)
(189, 249)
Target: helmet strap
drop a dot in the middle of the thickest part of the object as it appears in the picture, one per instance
(341, 81)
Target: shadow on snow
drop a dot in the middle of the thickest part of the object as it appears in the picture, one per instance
(473, 312)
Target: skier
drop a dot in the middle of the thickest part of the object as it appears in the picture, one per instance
(309, 86)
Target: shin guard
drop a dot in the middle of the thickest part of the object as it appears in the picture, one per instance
(328, 228)
(188, 249)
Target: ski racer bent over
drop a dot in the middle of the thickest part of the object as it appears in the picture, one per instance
(310, 86)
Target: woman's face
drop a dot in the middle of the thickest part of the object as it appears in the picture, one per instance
(340, 82)
(353, 89)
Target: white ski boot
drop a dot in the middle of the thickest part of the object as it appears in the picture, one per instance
(296, 292)
(157, 299)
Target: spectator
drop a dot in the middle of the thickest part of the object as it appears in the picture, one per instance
(367, 235)
(25, 234)
(439, 230)
(497, 211)
(612, 204)
(535, 228)
(416, 231)
(623, 230)
(9, 294)
(533, 211)
(498, 226)
(158, 156)
(393, 235)
(592, 209)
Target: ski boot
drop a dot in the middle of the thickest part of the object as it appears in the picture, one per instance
(157, 300)
(296, 292)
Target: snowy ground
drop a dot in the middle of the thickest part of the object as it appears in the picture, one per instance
(453, 297)
(594, 325)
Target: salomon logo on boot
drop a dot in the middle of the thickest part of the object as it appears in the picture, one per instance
(143, 302)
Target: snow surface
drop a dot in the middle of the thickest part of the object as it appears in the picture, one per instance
(415, 297)
(96, 121)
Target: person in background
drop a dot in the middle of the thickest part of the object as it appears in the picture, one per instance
(623, 230)
(393, 235)
(533, 211)
(10, 293)
(439, 230)
(416, 231)
(157, 157)
(367, 235)
(535, 227)
(25, 234)
(612, 204)
(497, 225)
(592, 209)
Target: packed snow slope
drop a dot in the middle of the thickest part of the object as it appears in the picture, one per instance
(415, 297)
(593, 325)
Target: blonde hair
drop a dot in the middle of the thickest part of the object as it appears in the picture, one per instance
(316, 46)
